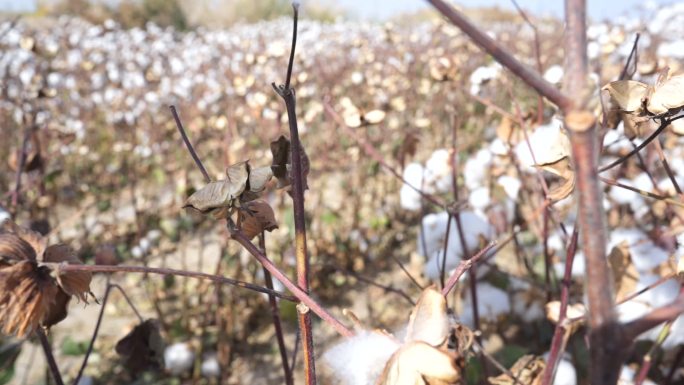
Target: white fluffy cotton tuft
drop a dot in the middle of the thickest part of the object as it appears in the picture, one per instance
(359, 360)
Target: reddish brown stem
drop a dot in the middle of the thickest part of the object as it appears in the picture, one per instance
(301, 253)
(464, 266)
(275, 314)
(49, 357)
(298, 292)
(557, 342)
(164, 271)
(188, 144)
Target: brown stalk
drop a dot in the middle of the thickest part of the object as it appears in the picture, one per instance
(301, 254)
(164, 271)
(47, 349)
(188, 144)
(275, 314)
(558, 341)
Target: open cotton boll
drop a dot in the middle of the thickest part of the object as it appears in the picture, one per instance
(565, 371)
(479, 199)
(476, 168)
(645, 254)
(628, 375)
(623, 196)
(438, 172)
(578, 266)
(178, 358)
(510, 185)
(435, 231)
(409, 197)
(491, 303)
(554, 74)
(548, 142)
(359, 360)
(210, 366)
(525, 306)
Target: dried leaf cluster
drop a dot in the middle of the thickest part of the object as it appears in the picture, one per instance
(33, 294)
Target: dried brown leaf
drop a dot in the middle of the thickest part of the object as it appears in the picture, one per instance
(418, 363)
(563, 169)
(625, 274)
(143, 348)
(257, 216)
(429, 321)
(75, 283)
(528, 370)
(221, 193)
(628, 95)
(282, 162)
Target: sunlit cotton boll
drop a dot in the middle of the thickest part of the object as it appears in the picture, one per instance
(409, 197)
(210, 366)
(492, 302)
(438, 172)
(554, 74)
(434, 233)
(565, 372)
(359, 360)
(178, 358)
(549, 144)
(476, 168)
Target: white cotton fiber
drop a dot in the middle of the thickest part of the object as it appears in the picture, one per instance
(476, 168)
(548, 142)
(565, 371)
(438, 176)
(491, 303)
(434, 233)
(359, 360)
(409, 197)
(644, 253)
(178, 358)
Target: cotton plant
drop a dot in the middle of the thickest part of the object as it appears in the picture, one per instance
(422, 357)
(433, 178)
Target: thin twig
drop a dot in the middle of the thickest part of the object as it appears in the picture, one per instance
(47, 349)
(188, 144)
(275, 314)
(558, 341)
(95, 332)
(643, 193)
(663, 124)
(164, 271)
(633, 54)
(296, 290)
(464, 266)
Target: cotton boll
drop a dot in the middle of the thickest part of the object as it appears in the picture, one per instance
(479, 199)
(510, 185)
(4, 215)
(554, 74)
(578, 266)
(438, 172)
(491, 303)
(549, 144)
(565, 371)
(434, 232)
(644, 253)
(628, 375)
(359, 360)
(210, 366)
(409, 197)
(476, 168)
(178, 358)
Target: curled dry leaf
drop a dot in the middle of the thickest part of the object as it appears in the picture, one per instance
(143, 348)
(625, 274)
(76, 283)
(527, 370)
(29, 295)
(221, 193)
(429, 321)
(628, 95)
(255, 217)
(418, 363)
(282, 162)
(563, 169)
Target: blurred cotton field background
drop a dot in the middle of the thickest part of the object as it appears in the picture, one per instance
(85, 93)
